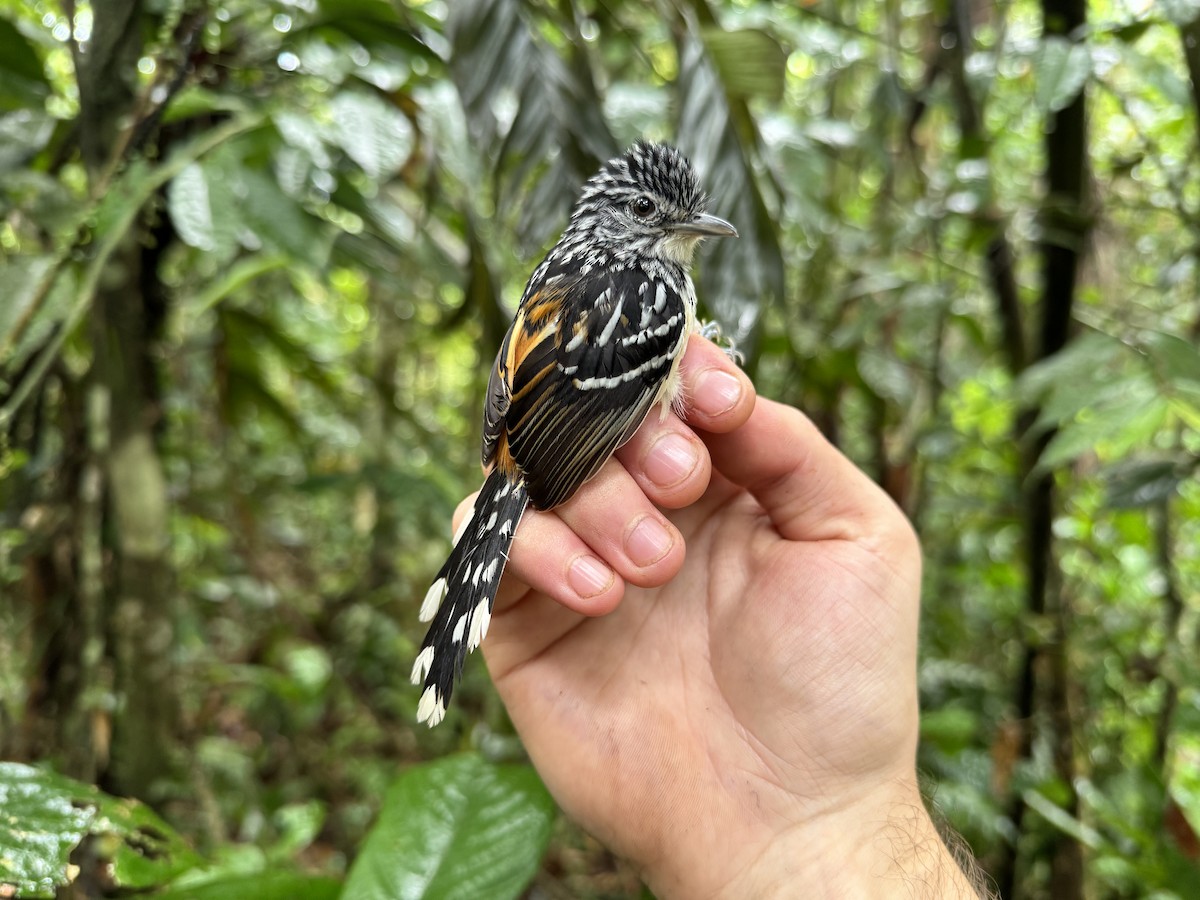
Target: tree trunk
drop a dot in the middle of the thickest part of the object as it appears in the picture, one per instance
(1045, 669)
(134, 625)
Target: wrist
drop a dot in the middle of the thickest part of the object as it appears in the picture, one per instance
(885, 846)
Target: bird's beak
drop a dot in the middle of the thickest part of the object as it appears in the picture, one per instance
(705, 225)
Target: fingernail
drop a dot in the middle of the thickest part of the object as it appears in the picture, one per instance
(589, 577)
(670, 460)
(717, 392)
(648, 542)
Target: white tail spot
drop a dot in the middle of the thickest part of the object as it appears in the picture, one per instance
(433, 599)
(432, 708)
(422, 665)
(479, 624)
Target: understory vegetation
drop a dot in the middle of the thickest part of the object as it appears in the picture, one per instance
(256, 259)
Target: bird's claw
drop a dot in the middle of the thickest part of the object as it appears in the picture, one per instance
(711, 331)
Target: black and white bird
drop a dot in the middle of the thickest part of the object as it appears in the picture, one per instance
(595, 345)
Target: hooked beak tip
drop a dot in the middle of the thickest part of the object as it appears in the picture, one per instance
(705, 225)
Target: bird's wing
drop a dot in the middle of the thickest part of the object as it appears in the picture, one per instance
(585, 363)
(522, 358)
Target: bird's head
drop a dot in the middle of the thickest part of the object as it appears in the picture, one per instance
(646, 203)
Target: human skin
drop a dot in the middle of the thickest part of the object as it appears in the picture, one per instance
(725, 693)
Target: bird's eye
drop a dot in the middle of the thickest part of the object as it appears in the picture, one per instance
(642, 207)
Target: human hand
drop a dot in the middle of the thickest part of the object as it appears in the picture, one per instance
(740, 720)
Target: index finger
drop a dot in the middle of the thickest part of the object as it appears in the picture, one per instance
(717, 394)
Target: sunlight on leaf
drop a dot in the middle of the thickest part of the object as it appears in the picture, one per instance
(456, 828)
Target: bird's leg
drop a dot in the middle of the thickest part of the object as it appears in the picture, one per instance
(712, 331)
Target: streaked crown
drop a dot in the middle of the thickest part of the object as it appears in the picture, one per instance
(645, 203)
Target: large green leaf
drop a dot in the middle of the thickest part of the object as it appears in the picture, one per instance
(45, 816)
(456, 828)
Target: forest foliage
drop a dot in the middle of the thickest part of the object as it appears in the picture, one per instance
(257, 257)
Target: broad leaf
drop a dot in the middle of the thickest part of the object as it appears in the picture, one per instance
(44, 817)
(456, 828)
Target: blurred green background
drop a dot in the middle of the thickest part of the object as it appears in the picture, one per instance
(256, 260)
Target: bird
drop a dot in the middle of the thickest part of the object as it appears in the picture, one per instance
(595, 345)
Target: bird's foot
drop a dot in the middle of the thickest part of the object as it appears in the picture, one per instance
(712, 331)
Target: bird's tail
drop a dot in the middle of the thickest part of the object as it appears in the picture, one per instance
(460, 600)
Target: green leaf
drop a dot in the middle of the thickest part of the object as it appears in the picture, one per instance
(456, 828)
(1061, 68)
(205, 206)
(234, 278)
(45, 816)
(887, 376)
(373, 133)
(23, 133)
(1113, 429)
(280, 222)
(260, 886)
(191, 211)
(22, 80)
(1072, 379)
(1176, 360)
(750, 62)
(195, 101)
(25, 279)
